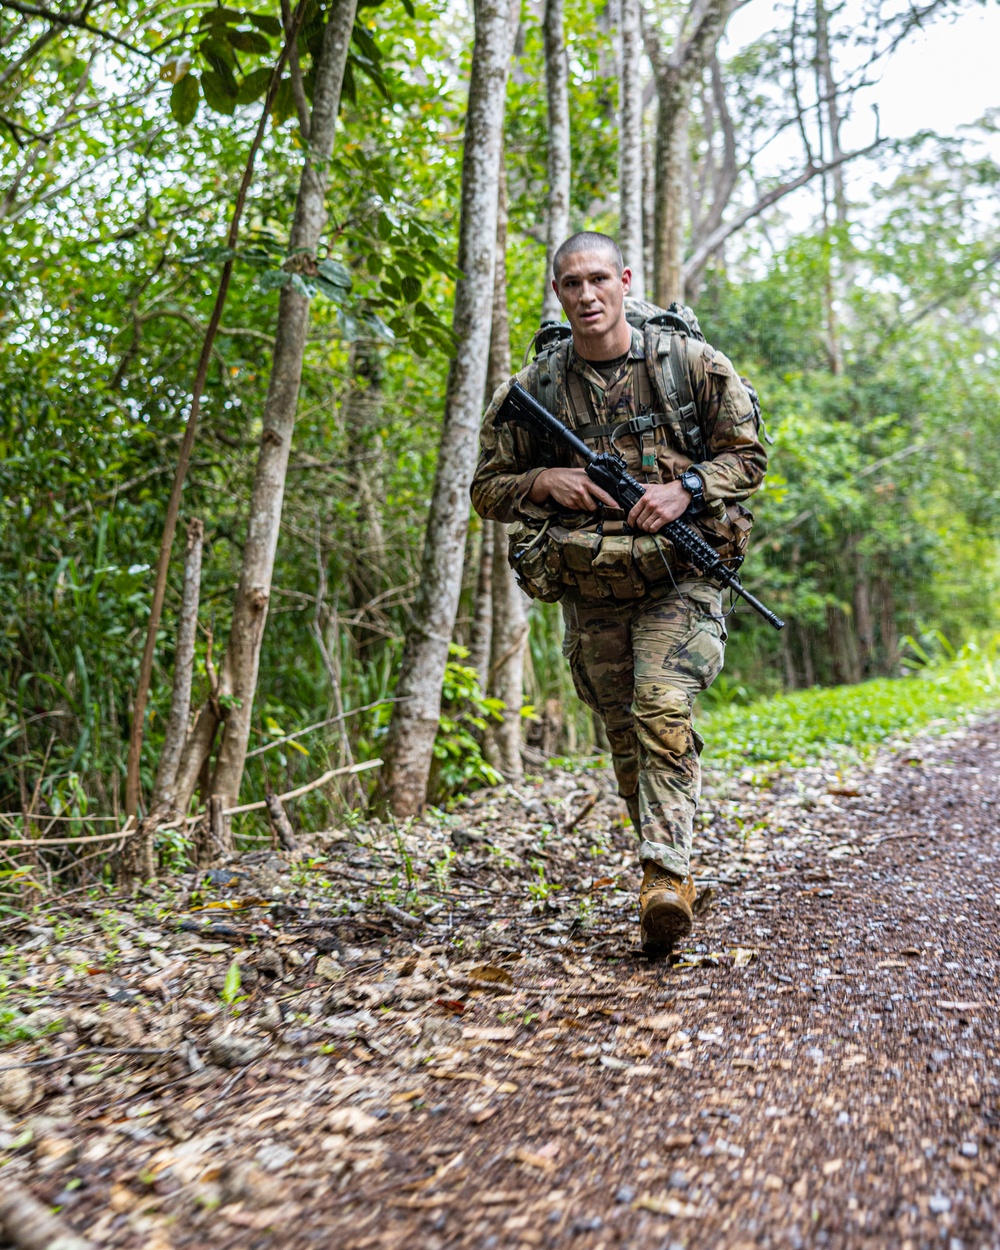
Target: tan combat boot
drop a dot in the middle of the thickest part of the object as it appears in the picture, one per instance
(665, 903)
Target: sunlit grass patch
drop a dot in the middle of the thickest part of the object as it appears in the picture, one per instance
(807, 725)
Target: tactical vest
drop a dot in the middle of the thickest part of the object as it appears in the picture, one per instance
(598, 560)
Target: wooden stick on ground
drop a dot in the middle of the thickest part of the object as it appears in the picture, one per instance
(31, 1226)
(312, 785)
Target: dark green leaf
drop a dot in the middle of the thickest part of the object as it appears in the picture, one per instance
(411, 288)
(348, 89)
(440, 264)
(253, 85)
(249, 41)
(410, 10)
(217, 51)
(385, 227)
(184, 96)
(274, 279)
(217, 96)
(263, 21)
(284, 102)
(330, 290)
(302, 286)
(335, 274)
(378, 327)
(370, 70)
(366, 43)
(219, 17)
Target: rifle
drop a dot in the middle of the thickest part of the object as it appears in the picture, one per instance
(608, 471)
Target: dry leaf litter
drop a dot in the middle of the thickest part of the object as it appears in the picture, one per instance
(277, 1053)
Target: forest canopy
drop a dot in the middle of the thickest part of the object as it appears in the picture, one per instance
(855, 284)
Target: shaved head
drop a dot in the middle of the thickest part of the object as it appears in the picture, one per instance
(588, 241)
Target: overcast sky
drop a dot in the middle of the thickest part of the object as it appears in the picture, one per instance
(940, 79)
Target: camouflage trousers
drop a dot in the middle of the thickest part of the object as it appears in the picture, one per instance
(639, 665)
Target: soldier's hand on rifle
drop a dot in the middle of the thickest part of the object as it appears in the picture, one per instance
(571, 489)
(661, 503)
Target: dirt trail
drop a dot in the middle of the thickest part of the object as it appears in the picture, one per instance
(819, 1068)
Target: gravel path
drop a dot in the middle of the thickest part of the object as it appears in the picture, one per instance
(841, 1089)
(819, 1068)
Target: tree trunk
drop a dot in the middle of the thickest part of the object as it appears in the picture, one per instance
(162, 805)
(482, 618)
(415, 720)
(510, 637)
(863, 623)
(630, 237)
(509, 633)
(701, 28)
(805, 649)
(362, 414)
(238, 679)
(889, 635)
(557, 92)
(843, 645)
(668, 246)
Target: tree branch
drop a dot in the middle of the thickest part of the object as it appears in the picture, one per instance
(73, 19)
(698, 258)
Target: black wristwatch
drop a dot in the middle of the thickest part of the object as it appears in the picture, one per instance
(696, 487)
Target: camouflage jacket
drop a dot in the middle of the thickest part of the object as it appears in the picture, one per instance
(732, 467)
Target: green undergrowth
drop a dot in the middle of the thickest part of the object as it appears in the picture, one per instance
(849, 722)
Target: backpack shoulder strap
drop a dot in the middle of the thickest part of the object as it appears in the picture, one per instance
(666, 362)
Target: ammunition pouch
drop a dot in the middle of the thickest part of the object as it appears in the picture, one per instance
(606, 563)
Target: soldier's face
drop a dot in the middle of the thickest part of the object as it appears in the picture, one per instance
(592, 293)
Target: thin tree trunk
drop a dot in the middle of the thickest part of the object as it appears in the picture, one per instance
(510, 637)
(557, 92)
(630, 237)
(509, 633)
(675, 76)
(805, 649)
(162, 803)
(889, 635)
(863, 622)
(648, 211)
(671, 144)
(482, 619)
(828, 87)
(132, 784)
(362, 413)
(238, 679)
(414, 724)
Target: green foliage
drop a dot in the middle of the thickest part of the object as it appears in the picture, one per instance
(17, 1027)
(231, 986)
(810, 725)
(459, 765)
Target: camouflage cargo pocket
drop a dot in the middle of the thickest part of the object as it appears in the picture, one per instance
(646, 554)
(728, 533)
(578, 550)
(529, 556)
(613, 565)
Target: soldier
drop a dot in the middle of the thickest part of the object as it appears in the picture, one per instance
(644, 635)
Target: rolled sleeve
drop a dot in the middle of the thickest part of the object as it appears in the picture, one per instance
(509, 462)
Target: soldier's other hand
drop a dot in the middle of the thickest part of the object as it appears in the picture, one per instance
(570, 488)
(661, 503)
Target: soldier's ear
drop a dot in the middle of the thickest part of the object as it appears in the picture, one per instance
(627, 279)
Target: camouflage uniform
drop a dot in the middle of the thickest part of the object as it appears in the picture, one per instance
(639, 652)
